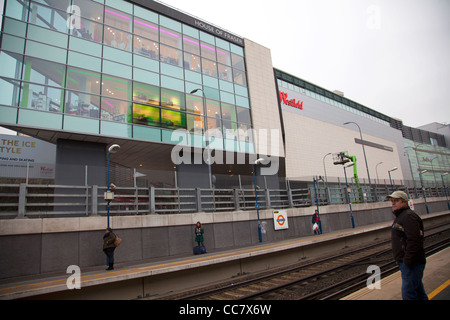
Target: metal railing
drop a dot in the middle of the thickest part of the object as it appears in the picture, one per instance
(27, 200)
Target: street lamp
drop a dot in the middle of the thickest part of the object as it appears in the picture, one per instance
(364, 149)
(390, 179)
(326, 178)
(445, 188)
(423, 190)
(376, 170)
(257, 162)
(348, 193)
(109, 196)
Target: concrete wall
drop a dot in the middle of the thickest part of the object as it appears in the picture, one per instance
(263, 98)
(35, 246)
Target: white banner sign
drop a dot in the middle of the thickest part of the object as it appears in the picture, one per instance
(280, 220)
(17, 153)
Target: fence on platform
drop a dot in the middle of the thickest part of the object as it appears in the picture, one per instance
(40, 200)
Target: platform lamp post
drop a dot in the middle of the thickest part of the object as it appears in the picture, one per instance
(109, 196)
(445, 189)
(348, 193)
(364, 151)
(256, 163)
(390, 178)
(423, 189)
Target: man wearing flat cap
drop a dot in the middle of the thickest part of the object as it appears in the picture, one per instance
(407, 247)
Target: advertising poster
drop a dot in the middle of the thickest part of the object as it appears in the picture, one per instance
(16, 153)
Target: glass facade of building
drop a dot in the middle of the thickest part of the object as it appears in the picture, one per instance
(117, 69)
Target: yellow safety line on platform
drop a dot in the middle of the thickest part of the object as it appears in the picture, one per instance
(439, 290)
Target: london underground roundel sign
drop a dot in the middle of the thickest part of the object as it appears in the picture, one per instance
(280, 220)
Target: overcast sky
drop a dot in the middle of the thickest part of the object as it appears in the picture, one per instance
(389, 55)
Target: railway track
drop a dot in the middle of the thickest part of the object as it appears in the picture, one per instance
(328, 278)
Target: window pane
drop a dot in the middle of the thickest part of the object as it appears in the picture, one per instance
(173, 119)
(117, 88)
(192, 62)
(209, 67)
(213, 109)
(244, 132)
(118, 19)
(45, 72)
(146, 47)
(48, 17)
(146, 115)
(214, 123)
(238, 62)
(191, 45)
(145, 29)
(239, 77)
(208, 51)
(47, 36)
(194, 104)
(17, 9)
(9, 91)
(11, 64)
(195, 124)
(81, 104)
(44, 51)
(228, 112)
(170, 38)
(89, 30)
(171, 55)
(243, 115)
(90, 10)
(172, 99)
(117, 38)
(116, 110)
(83, 80)
(225, 73)
(230, 126)
(144, 93)
(224, 57)
(41, 98)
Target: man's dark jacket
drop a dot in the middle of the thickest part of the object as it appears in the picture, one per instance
(407, 238)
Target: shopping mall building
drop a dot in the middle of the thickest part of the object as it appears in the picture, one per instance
(192, 106)
(165, 86)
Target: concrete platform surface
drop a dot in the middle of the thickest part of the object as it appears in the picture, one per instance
(436, 280)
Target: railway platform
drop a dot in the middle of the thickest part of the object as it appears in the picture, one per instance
(159, 277)
(436, 281)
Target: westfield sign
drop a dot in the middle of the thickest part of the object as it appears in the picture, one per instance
(293, 103)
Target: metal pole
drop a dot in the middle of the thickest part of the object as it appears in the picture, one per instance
(107, 189)
(445, 189)
(424, 191)
(257, 205)
(348, 197)
(390, 179)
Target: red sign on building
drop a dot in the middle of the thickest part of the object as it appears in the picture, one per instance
(293, 103)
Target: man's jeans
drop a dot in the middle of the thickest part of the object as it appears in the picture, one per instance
(412, 285)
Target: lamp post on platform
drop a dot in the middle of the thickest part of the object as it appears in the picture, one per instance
(390, 178)
(256, 163)
(109, 196)
(348, 193)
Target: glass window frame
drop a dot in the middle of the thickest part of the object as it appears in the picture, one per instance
(146, 115)
(118, 19)
(73, 109)
(173, 100)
